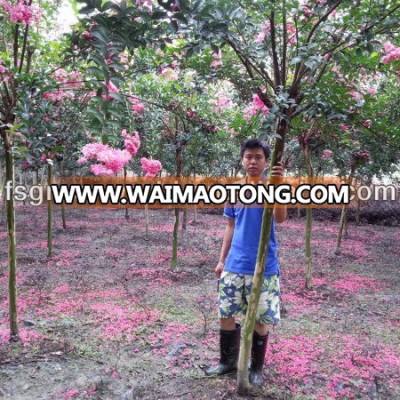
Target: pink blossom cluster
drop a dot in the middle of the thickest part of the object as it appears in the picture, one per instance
(58, 95)
(392, 53)
(291, 29)
(170, 73)
(221, 103)
(4, 72)
(68, 80)
(131, 142)
(45, 157)
(146, 3)
(357, 96)
(217, 62)
(257, 107)
(307, 10)
(137, 106)
(110, 161)
(367, 123)
(3, 68)
(362, 155)
(151, 167)
(22, 12)
(111, 89)
(326, 154)
(265, 32)
(191, 114)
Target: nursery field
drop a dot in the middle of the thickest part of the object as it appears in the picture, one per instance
(104, 317)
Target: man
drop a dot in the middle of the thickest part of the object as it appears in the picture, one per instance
(236, 266)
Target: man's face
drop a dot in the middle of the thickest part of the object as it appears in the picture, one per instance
(254, 162)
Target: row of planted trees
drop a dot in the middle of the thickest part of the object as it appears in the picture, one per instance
(191, 80)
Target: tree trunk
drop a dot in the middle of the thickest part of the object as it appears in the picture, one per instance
(63, 219)
(343, 218)
(184, 219)
(174, 260)
(146, 219)
(249, 322)
(358, 222)
(12, 254)
(308, 257)
(49, 216)
(127, 209)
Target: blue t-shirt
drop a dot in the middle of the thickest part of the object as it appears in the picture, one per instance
(243, 252)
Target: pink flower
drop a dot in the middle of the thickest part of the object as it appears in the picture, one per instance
(265, 32)
(326, 154)
(355, 95)
(291, 29)
(26, 164)
(217, 60)
(345, 127)
(101, 170)
(111, 89)
(221, 103)
(58, 95)
(307, 11)
(3, 69)
(147, 3)
(90, 150)
(87, 35)
(131, 143)
(22, 13)
(114, 159)
(137, 106)
(392, 53)
(43, 158)
(257, 107)
(190, 114)
(367, 123)
(151, 167)
(170, 74)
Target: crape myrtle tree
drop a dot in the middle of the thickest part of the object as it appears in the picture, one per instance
(186, 117)
(350, 113)
(285, 49)
(20, 27)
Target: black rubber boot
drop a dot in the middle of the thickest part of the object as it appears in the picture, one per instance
(257, 358)
(229, 352)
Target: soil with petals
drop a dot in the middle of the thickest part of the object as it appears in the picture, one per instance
(105, 317)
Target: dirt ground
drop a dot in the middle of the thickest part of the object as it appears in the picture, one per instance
(104, 317)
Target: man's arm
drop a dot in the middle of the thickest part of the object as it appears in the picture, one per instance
(226, 245)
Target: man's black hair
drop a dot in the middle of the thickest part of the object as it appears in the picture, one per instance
(255, 143)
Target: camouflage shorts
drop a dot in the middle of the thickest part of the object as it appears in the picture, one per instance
(234, 295)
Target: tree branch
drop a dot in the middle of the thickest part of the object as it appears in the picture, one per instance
(23, 48)
(15, 45)
(284, 47)
(368, 28)
(277, 77)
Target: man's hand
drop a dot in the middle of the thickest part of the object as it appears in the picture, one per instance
(277, 170)
(219, 268)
